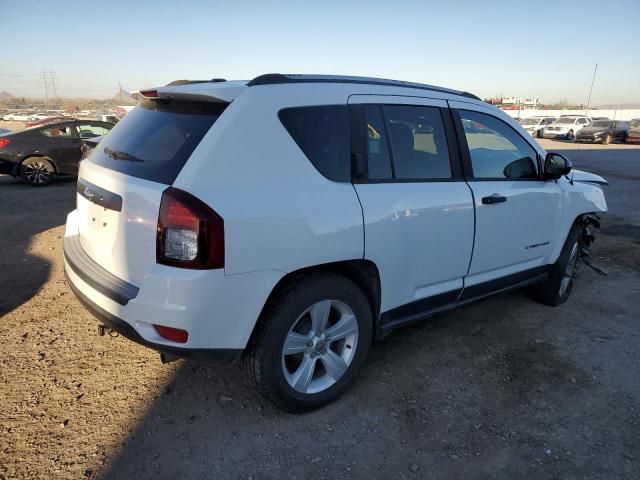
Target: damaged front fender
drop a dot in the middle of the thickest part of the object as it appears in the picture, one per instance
(587, 177)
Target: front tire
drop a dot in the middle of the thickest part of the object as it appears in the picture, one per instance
(557, 287)
(37, 171)
(607, 139)
(313, 342)
(570, 135)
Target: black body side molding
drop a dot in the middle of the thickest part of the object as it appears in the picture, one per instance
(427, 307)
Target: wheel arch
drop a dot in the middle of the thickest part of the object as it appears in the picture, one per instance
(364, 273)
(37, 155)
(583, 219)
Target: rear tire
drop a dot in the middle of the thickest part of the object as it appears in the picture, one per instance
(37, 171)
(321, 361)
(557, 287)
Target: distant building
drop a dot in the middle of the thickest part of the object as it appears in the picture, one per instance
(514, 103)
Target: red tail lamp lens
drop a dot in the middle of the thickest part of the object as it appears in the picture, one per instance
(189, 234)
(173, 334)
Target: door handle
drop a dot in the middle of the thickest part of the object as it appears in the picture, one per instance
(495, 198)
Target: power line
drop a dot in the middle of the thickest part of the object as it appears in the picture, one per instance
(591, 89)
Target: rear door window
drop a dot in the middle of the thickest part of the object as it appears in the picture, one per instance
(378, 158)
(418, 142)
(322, 133)
(155, 139)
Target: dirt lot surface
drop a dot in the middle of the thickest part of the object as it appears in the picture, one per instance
(506, 388)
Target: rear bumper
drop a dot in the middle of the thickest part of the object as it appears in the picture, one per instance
(218, 311)
(212, 355)
(547, 134)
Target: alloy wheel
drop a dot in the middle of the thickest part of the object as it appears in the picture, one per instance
(570, 270)
(37, 172)
(320, 346)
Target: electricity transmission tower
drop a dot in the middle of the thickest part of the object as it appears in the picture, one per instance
(49, 80)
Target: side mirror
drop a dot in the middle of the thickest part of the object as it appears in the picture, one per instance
(556, 165)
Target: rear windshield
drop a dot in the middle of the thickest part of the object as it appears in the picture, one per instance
(156, 139)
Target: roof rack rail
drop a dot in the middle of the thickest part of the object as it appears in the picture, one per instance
(279, 78)
(189, 82)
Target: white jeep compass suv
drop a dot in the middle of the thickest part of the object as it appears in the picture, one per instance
(291, 220)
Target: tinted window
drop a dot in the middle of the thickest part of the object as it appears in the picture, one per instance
(418, 142)
(58, 132)
(496, 150)
(378, 159)
(322, 133)
(156, 139)
(92, 130)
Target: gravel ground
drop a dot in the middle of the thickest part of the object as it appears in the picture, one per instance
(502, 389)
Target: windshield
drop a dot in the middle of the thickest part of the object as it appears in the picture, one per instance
(566, 120)
(156, 139)
(635, 122)
(601, 123)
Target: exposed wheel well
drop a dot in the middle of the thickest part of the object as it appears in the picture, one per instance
(363, 273)
(38, 155)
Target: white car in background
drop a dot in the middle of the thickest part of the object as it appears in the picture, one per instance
(16, 117)
(39, 116)
(566, 126)
(535, 125)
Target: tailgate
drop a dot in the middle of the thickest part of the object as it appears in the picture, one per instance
(117, 219)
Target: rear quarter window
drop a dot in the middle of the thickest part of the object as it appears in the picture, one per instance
(155, 139)
(322, 133)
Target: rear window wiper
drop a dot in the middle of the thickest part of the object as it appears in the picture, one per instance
(118, 155)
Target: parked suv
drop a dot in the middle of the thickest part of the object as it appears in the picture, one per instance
(291, 220)
(535, 125)
(566, 127)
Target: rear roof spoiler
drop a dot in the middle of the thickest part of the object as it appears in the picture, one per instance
(216, 90)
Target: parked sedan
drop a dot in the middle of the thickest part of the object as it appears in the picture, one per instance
(535, 125)
(17, 117)
(38, 154)
(633, 136)
(604, 131)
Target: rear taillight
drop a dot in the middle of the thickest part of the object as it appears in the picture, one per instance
(4, 142)
(190, 234)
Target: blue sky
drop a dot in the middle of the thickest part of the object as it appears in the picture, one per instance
(524, 48)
